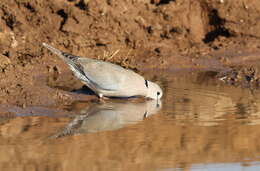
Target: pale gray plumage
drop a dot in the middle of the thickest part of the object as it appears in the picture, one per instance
(109, 116)
(107, 79)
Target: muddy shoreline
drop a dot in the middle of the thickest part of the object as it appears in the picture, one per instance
(174, 36)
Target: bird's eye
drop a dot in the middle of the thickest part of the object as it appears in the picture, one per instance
(158, 93)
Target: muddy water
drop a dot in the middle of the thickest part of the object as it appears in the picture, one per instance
(200, 124)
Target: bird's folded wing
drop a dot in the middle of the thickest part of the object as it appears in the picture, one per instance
(104, 75)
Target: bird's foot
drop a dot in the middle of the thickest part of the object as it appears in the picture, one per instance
(102, 98)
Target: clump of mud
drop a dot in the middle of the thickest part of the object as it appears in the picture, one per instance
(242, 77)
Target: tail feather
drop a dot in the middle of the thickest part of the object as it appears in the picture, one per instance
(52, 49)
(62, 55)
(69, 59)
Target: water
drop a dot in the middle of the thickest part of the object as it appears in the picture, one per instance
(200, 125)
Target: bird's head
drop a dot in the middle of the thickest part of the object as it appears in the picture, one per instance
(153, 90)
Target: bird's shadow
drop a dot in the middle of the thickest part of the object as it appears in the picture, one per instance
(84, 90)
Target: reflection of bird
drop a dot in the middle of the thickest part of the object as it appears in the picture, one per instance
(110, 116)
(107, 79)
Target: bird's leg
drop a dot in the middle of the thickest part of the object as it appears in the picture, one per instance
(100, 95)
(102, 98)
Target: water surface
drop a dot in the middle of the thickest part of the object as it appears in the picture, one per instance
(200, 124)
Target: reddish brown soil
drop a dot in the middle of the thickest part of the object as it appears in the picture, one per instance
(175, 34)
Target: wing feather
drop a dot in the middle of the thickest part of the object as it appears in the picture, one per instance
(104, 75)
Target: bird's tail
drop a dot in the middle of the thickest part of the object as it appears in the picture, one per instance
(55, 51)
(52, 49)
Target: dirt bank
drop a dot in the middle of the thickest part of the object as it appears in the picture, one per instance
(176, 34)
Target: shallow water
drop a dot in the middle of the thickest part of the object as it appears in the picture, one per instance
(200, 124)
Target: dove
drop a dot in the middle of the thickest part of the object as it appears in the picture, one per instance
(110, 116)
(107, 79)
